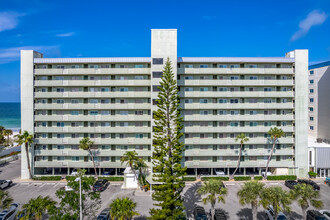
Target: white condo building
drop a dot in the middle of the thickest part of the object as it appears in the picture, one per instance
(111, 100)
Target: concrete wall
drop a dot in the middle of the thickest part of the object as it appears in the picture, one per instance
(301, 113)
(27, 115)
(323, 102)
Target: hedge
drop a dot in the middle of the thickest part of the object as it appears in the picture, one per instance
(283, 177)
(207, 178)
(112, 178)
(258, 178)
(45, 178)
(189, 178)
(242, 178)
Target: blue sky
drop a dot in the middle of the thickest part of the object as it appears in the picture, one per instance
(69, 28)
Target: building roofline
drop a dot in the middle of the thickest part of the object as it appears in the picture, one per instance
(319, 65)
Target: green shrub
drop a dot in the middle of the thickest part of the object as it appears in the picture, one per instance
(207, 178)
(242, 178)
(283, 177)
(70, 178)
(258, 178)
(312, 174)
(112, 178)
(189, 178)
(47, 178)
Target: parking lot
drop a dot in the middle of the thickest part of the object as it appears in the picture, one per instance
(23, 191)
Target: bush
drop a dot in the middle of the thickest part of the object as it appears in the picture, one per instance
(189, 178)
(258, 178)
(47, 178)
(312, 174)
(283, 177)
(242, 178)
(207, 178)
(112, 178)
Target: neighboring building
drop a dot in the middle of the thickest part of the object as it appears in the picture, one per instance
(319, 158)
(319, 102)
(111, 100)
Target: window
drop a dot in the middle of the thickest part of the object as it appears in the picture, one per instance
(59, 89)
(74, 101)
(234, 66)
(138, 101)
(267, 89)
(202, 101)
(155, 88)
(233, 124)
(43, 124)
(123, 78)
(123, 89)
(204, 89)
(105, 112)
(60, 124)
(223, 89)
(123, 66)
(188, 66)
(311, 100)
(121, 136)
(140, 112)
(311, 118)
(233, 100)
(157, 74)
(60, 135)
(253, 124)
(139, 66)
(105, 101)
(105, 90)
(204, 112)
(311, 91)
(233, 77)
(253, 77)
(105, 124)
(267, 78)
(252, 112)
(311, 127)
(223, 66)
(203, 135)
(123, 112)
(123, 101)
(123, 124)
(139, 77)
(157, 60)
(267, 124)
(74, 112)
(188, 101)
(93, 101)
(75, 158)
(203, 66)
(311, 72)
(188, 77)
(252, 66)
(59, 101)
(234, 112)
(311, 109)
(139, 124)
(93, 112)
(138, 135)
(60, 147)
(311, 81)
(59, 77)
(188, 89)
(223, 112)
(138, 147)
(267, 100)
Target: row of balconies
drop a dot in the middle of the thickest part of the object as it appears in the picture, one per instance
(239, 82)
(191, 106)
(146, 141)
(189, 164)
(77, 153)
(182, 94)
(133, 129)
(103, 71)
(194, 117)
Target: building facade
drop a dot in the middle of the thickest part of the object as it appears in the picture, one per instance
(318, 158)
(111, 100)
(319, 102)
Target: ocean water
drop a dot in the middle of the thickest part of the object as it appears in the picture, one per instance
(10, 115)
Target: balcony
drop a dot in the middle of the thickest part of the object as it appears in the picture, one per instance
(99, 141)
(263, 71)
(217, 141)
(92, 95)
(225, 164)
(106, 83)
(198, 106)
(68, 129)
(236, 94)
(77, 164)
(255, 152)
(92, 71)
(82, 153)
(245, 82)
(238, 129)
(100, 118)
(54, 106)
(245, 117)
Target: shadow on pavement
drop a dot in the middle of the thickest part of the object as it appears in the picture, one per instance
(246, 214)
(141, 218)
(295, 215)
(190, 198)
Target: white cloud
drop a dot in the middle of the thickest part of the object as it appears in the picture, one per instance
(69, 34)
(315, 17)
(9, 20)
(13, 54)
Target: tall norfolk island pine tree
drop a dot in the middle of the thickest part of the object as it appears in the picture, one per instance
(168, 149)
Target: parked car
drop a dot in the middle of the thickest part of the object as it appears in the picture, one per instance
(270, 215)
(309, 182)
(9, 214)
(68, 188)
(5, 183)
(290, 183)
(327, 181)
(100, 185)
(199, 213)
(220, 173)
(219, 215)
(326, 213)
(315, 215)
(264, 172)
(74, 172)
(104, 215)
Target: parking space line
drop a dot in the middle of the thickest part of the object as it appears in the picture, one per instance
(50, 183)
(273, 183)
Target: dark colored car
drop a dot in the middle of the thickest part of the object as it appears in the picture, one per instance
(290, 183)
(104, 215)
(219, 215)
(309, 182)
(199, 213)
(100, 185)
(315, 215)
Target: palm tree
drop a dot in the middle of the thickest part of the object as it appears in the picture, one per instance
(7, 132)
(214, 190)
(36, 208)
(130, 158)
(141, 166)
(242, 139)
(27, 140)
(251, 193)
(275, 133)
(276, 197)
(123, 209)
(85, 144)
(2, 139)
(5, 199)
(306, 196)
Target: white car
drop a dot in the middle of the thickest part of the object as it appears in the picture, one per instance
(68, 188)
(326, 213)
(74, 172)
(5, 183)
(268, 173)
(270, 214)
(219, 173)
(9, 214)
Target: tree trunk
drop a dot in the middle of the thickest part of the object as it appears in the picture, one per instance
(254, 211)
(269, 158)
(304, 212)
(212, 212)
(8, 140)
(92, 157)
(28, 158)
(238, 162)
